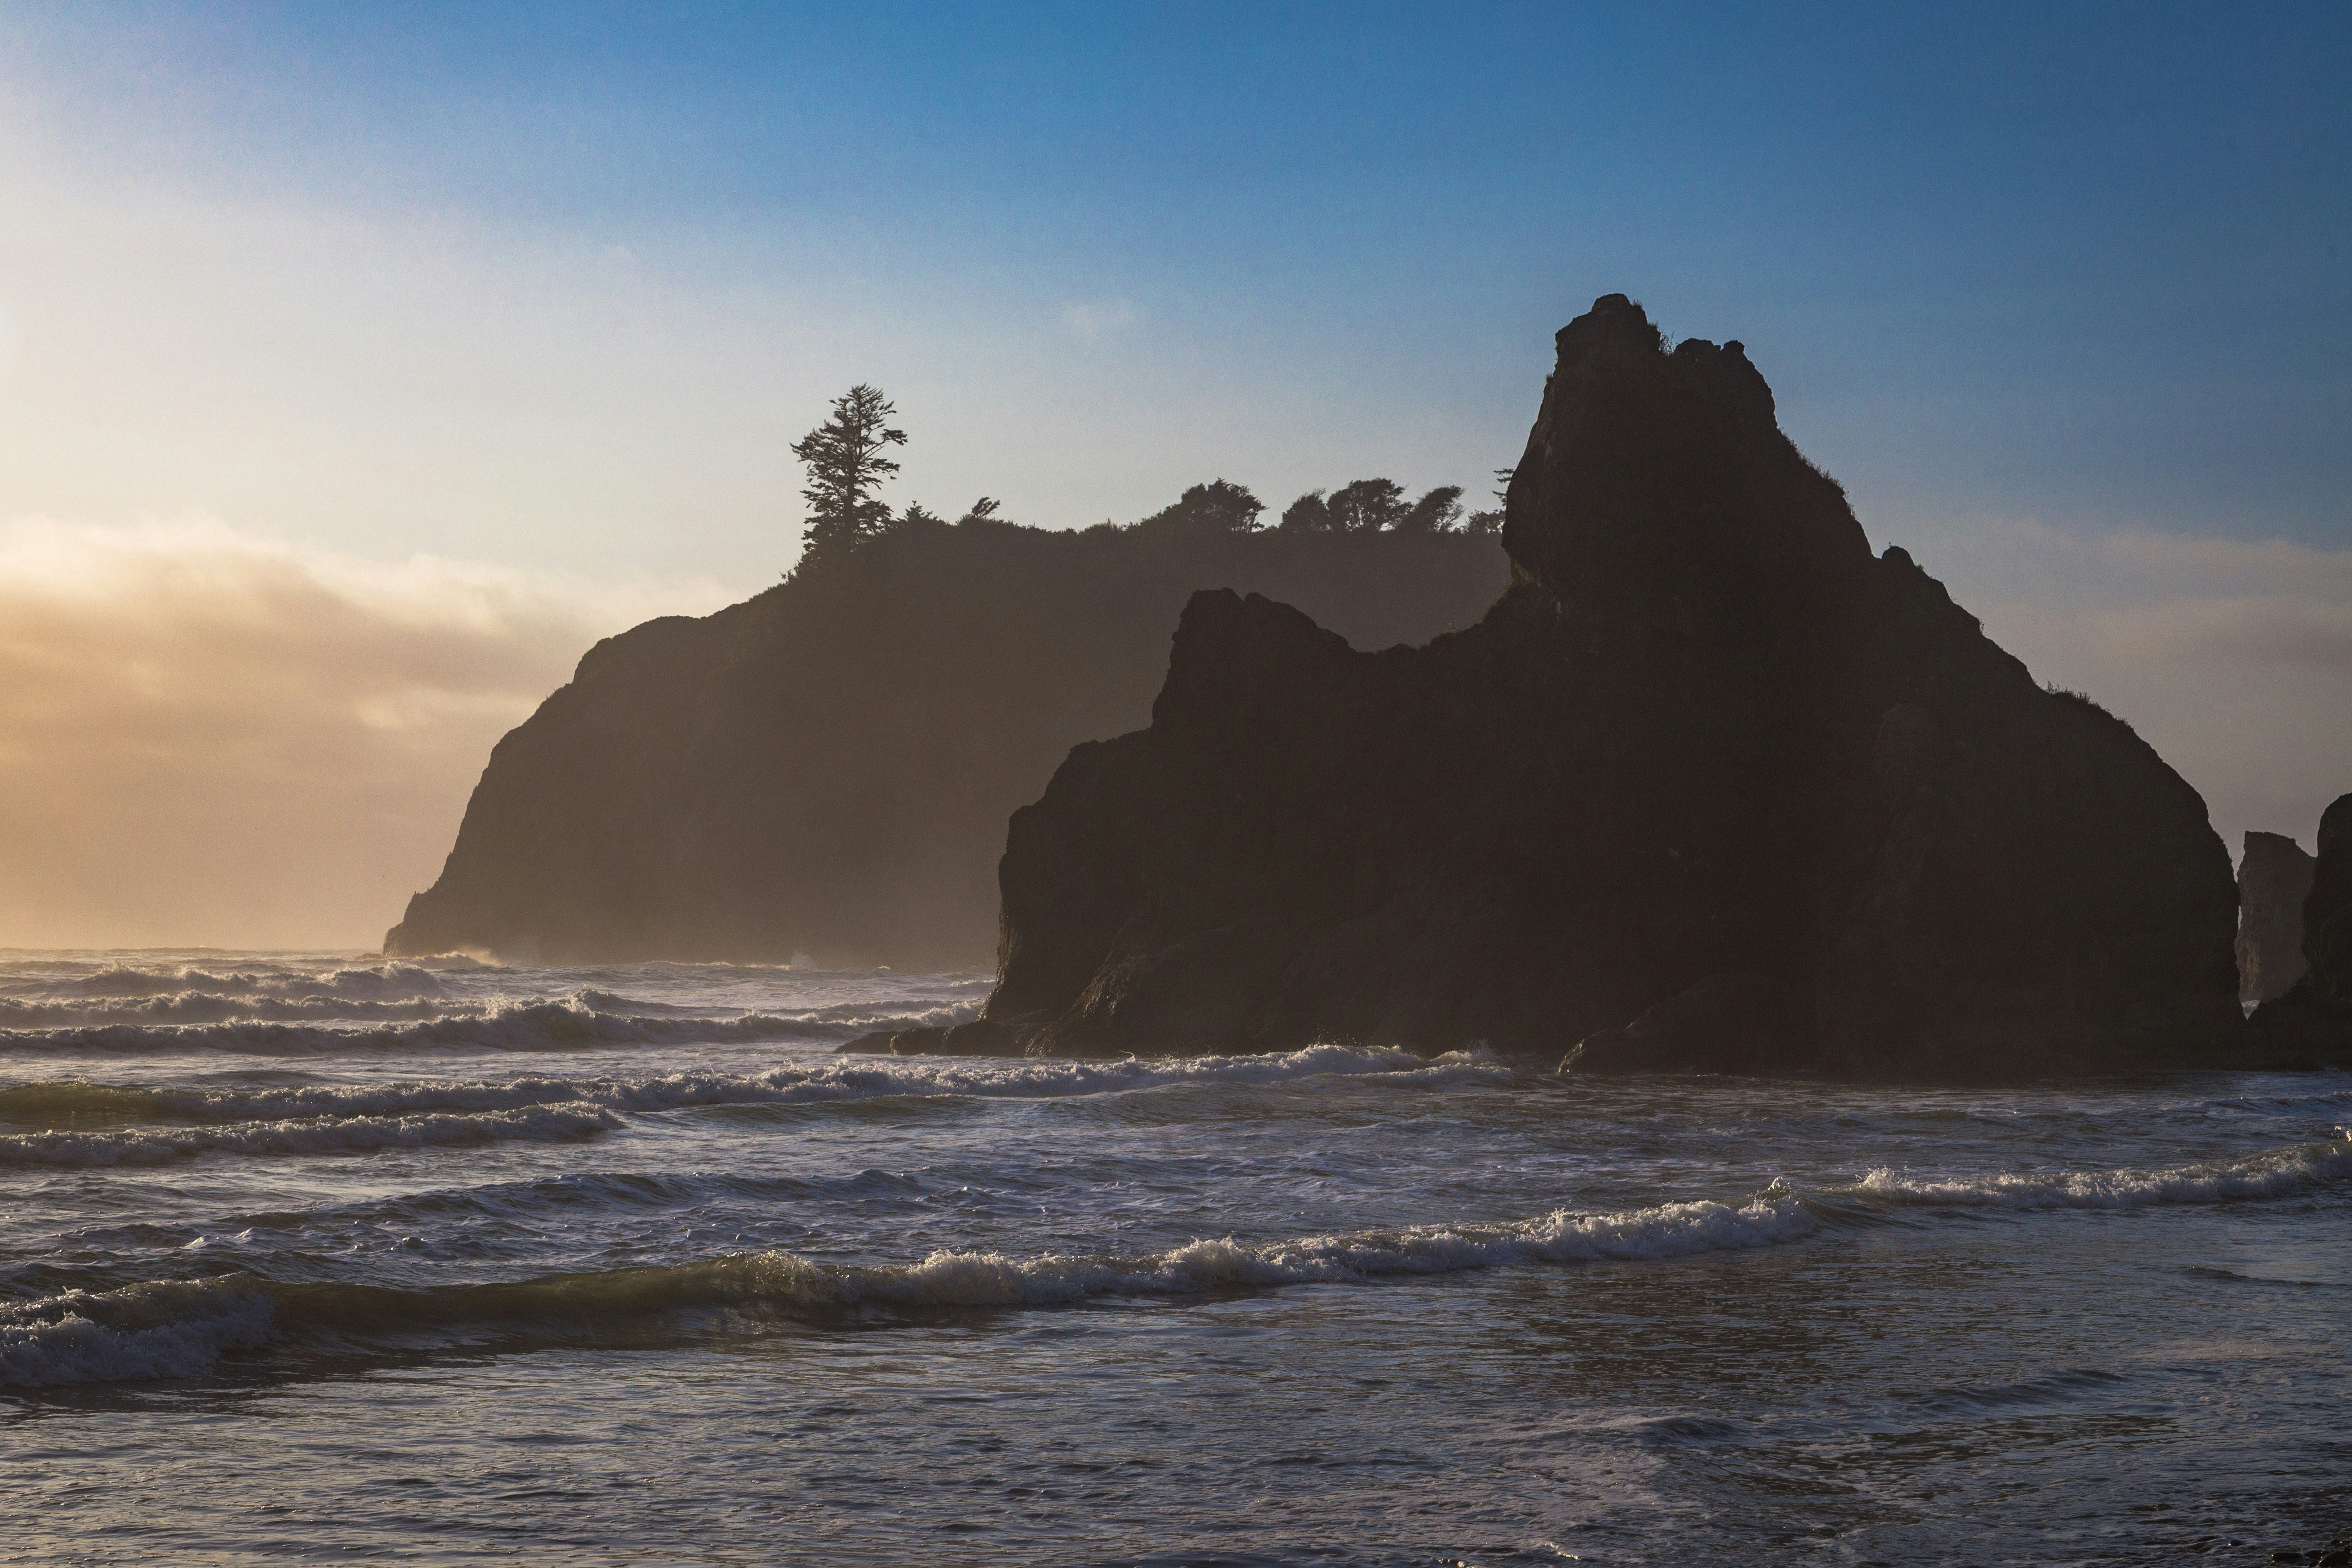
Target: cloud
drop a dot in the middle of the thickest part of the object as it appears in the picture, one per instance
(210, 736)
(1098, 320)
(2286, 630)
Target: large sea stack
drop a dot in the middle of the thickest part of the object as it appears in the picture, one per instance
(826, 769)
(1711, 786)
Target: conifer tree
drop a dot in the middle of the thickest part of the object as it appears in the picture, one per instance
(845, 465)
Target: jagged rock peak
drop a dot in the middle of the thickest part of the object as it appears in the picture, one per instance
(1658, 490)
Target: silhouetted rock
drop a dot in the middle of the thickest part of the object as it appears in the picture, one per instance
(2273, 879)
(1725, 1023)
(2311, 1023)
(1710, 786)
(827, 768)
(2328, 913)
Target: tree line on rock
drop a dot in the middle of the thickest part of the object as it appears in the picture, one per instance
(827, 768)
(847, 460)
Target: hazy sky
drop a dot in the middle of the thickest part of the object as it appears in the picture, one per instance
(360, 364)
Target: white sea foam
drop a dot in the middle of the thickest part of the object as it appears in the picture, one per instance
(212, 1006)
(177, 1329)
(952, 1279)
(1031, 1078)
(569, 1023)
(838, 1079)
(309, 1135)
(172, 1328)
(2273, 1173)
(367, 983)
(201, 1006)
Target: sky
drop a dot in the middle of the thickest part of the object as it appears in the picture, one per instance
(361, 365)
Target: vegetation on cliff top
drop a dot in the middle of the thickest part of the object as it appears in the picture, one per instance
(827, 768)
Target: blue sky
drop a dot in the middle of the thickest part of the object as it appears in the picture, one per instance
(424, 343)
(2086, 263)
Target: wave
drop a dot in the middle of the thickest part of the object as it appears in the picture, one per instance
(380, 982)
(212, 1007)
(69, 1101)
(309, 1135)
(168, 1328)
(181, 1328)
(1032, 1078)
(2274, 1172)
(128, 1335)
(573, 1023)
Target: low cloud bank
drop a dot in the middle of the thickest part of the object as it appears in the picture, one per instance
(2232, 657)
(209, 737)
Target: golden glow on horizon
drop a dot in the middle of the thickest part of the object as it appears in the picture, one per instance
(207, 738)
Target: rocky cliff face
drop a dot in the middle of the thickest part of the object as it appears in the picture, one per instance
(2273, 879)
(2311, 1023)
(827, 768)
(2328, 914)
(1710, 786)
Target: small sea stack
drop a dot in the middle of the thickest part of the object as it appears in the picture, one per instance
(1712, 786)
(2311, 1023)
(2273, 879)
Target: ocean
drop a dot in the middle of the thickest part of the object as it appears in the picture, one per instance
(312, 1256)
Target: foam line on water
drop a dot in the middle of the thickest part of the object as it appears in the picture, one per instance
(568, 1024)
(181, 1328)
(2273, 1173)
(371, 982)
(201, 1006)
(310, 1135)
(834, 1080)
(126, 1334)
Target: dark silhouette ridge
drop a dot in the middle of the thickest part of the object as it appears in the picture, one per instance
(2327, 911)
(1710, 786)
(2273, 879)
(2313, 1021)
(827, 768)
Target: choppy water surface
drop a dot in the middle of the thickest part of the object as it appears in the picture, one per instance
(316, 1255)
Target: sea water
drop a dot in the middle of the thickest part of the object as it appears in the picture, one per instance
(319, 1257)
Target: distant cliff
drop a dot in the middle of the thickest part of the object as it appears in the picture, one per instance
(827, 768)
(1711, 786)
(2311, 1023)
(2273, 879)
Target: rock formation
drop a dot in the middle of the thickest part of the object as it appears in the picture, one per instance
(2328, 914)
(2273, 879)
(1710, 786)
(827, 768)
(2311, 1023)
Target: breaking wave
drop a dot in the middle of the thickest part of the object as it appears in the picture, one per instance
(2274, 1172)
(67, 1102)
(572, 1023)
(214, 1006)
(381, 982)
(170, 1328)
(181, 1328)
